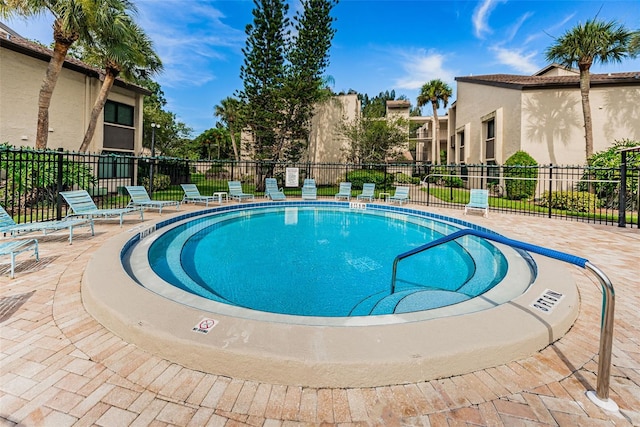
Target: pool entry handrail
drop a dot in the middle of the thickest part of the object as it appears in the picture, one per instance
(601, 396)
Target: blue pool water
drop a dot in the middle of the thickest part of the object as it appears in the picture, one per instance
(317, 261)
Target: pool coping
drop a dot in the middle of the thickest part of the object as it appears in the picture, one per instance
(326, 356)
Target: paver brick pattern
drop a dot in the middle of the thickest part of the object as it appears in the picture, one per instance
(59, 367)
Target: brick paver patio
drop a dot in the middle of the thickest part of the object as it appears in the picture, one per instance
(60, 367)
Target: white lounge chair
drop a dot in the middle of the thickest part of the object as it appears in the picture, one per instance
(15, 247)
(8, 225)
(140, 199)
(478, 200)
(82, 206)
(272, 191)
(309, 189)
(400, 196)
(368, 192)
(345, 191)
(235, 191)
(192, 194)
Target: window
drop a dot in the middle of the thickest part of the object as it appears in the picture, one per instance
(490, 131)
(119, 114)
(119, 132)
(461, 145)
(112, 166)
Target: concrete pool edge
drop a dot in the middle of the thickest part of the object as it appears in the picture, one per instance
(326, 356)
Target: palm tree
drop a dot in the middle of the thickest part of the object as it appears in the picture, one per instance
(435, 91)
(123, 49)
(229, 113)
(595, 41)
(73, 20)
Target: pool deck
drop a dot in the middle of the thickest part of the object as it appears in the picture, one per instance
(59, 367)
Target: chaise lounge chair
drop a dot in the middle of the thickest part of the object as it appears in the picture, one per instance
(140, 199)
(401, 195)
(235, 191)
(309, 189)
(82, 206)
(344, 192)
(479, 200)
(14, 247)
(192, 194)
(368, 190)
(8, 225)
(272, 191)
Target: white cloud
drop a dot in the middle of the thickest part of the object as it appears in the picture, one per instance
(516, 27)
(420, 66)
(480, 17)
(516, 59)
(189, 37)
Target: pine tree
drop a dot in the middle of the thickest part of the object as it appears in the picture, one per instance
(309, 57)
(263, 74)
(283, 77)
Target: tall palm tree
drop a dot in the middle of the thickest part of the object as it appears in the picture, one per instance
(73, 20)
(595, 41)
(121, 49)
(229, 112)
(435, 92)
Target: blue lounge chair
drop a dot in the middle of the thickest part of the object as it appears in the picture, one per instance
(235, 191)
(192, 194)
(8, 225)
(272, 191)
(368, 191)
(15, 247)
(309, 189)
(478, 200)
(344, 192)
(82, 206)
(140, 199)
(401, 195)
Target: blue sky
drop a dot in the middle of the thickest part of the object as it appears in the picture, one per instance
(379, 44)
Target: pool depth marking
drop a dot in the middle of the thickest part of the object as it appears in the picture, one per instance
(547, 301)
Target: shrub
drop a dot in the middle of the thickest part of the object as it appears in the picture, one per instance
(453, 181)
(402, 178)
(572, 201)
(520, 165)
(361, 176)
(160, 182)
(33, 175)
(604, 168)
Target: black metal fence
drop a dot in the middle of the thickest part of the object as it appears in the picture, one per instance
(30, 182)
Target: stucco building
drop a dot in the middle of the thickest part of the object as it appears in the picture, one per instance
(496, 115)
(22, 69)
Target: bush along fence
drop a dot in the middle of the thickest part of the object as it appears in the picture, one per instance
(30, 183)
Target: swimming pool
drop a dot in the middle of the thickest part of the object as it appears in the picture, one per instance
(498, 326)
(323, 261)
(235, 256)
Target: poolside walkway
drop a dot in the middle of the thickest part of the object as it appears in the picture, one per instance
(60, 367)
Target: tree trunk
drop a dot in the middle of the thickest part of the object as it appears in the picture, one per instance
(46, 91)
(585, 83)
(233, 144)
(109, 78)
(436, 134)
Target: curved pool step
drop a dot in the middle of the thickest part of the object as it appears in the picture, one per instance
(428, 299)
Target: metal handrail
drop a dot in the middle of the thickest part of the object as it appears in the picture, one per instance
(601, 395)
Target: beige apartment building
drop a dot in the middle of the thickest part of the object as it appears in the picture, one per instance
(22, 70)
(496, 115)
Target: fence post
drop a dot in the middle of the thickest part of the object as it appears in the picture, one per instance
(385, 177)
(550, 187)
(59, 186)
(622, 192)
